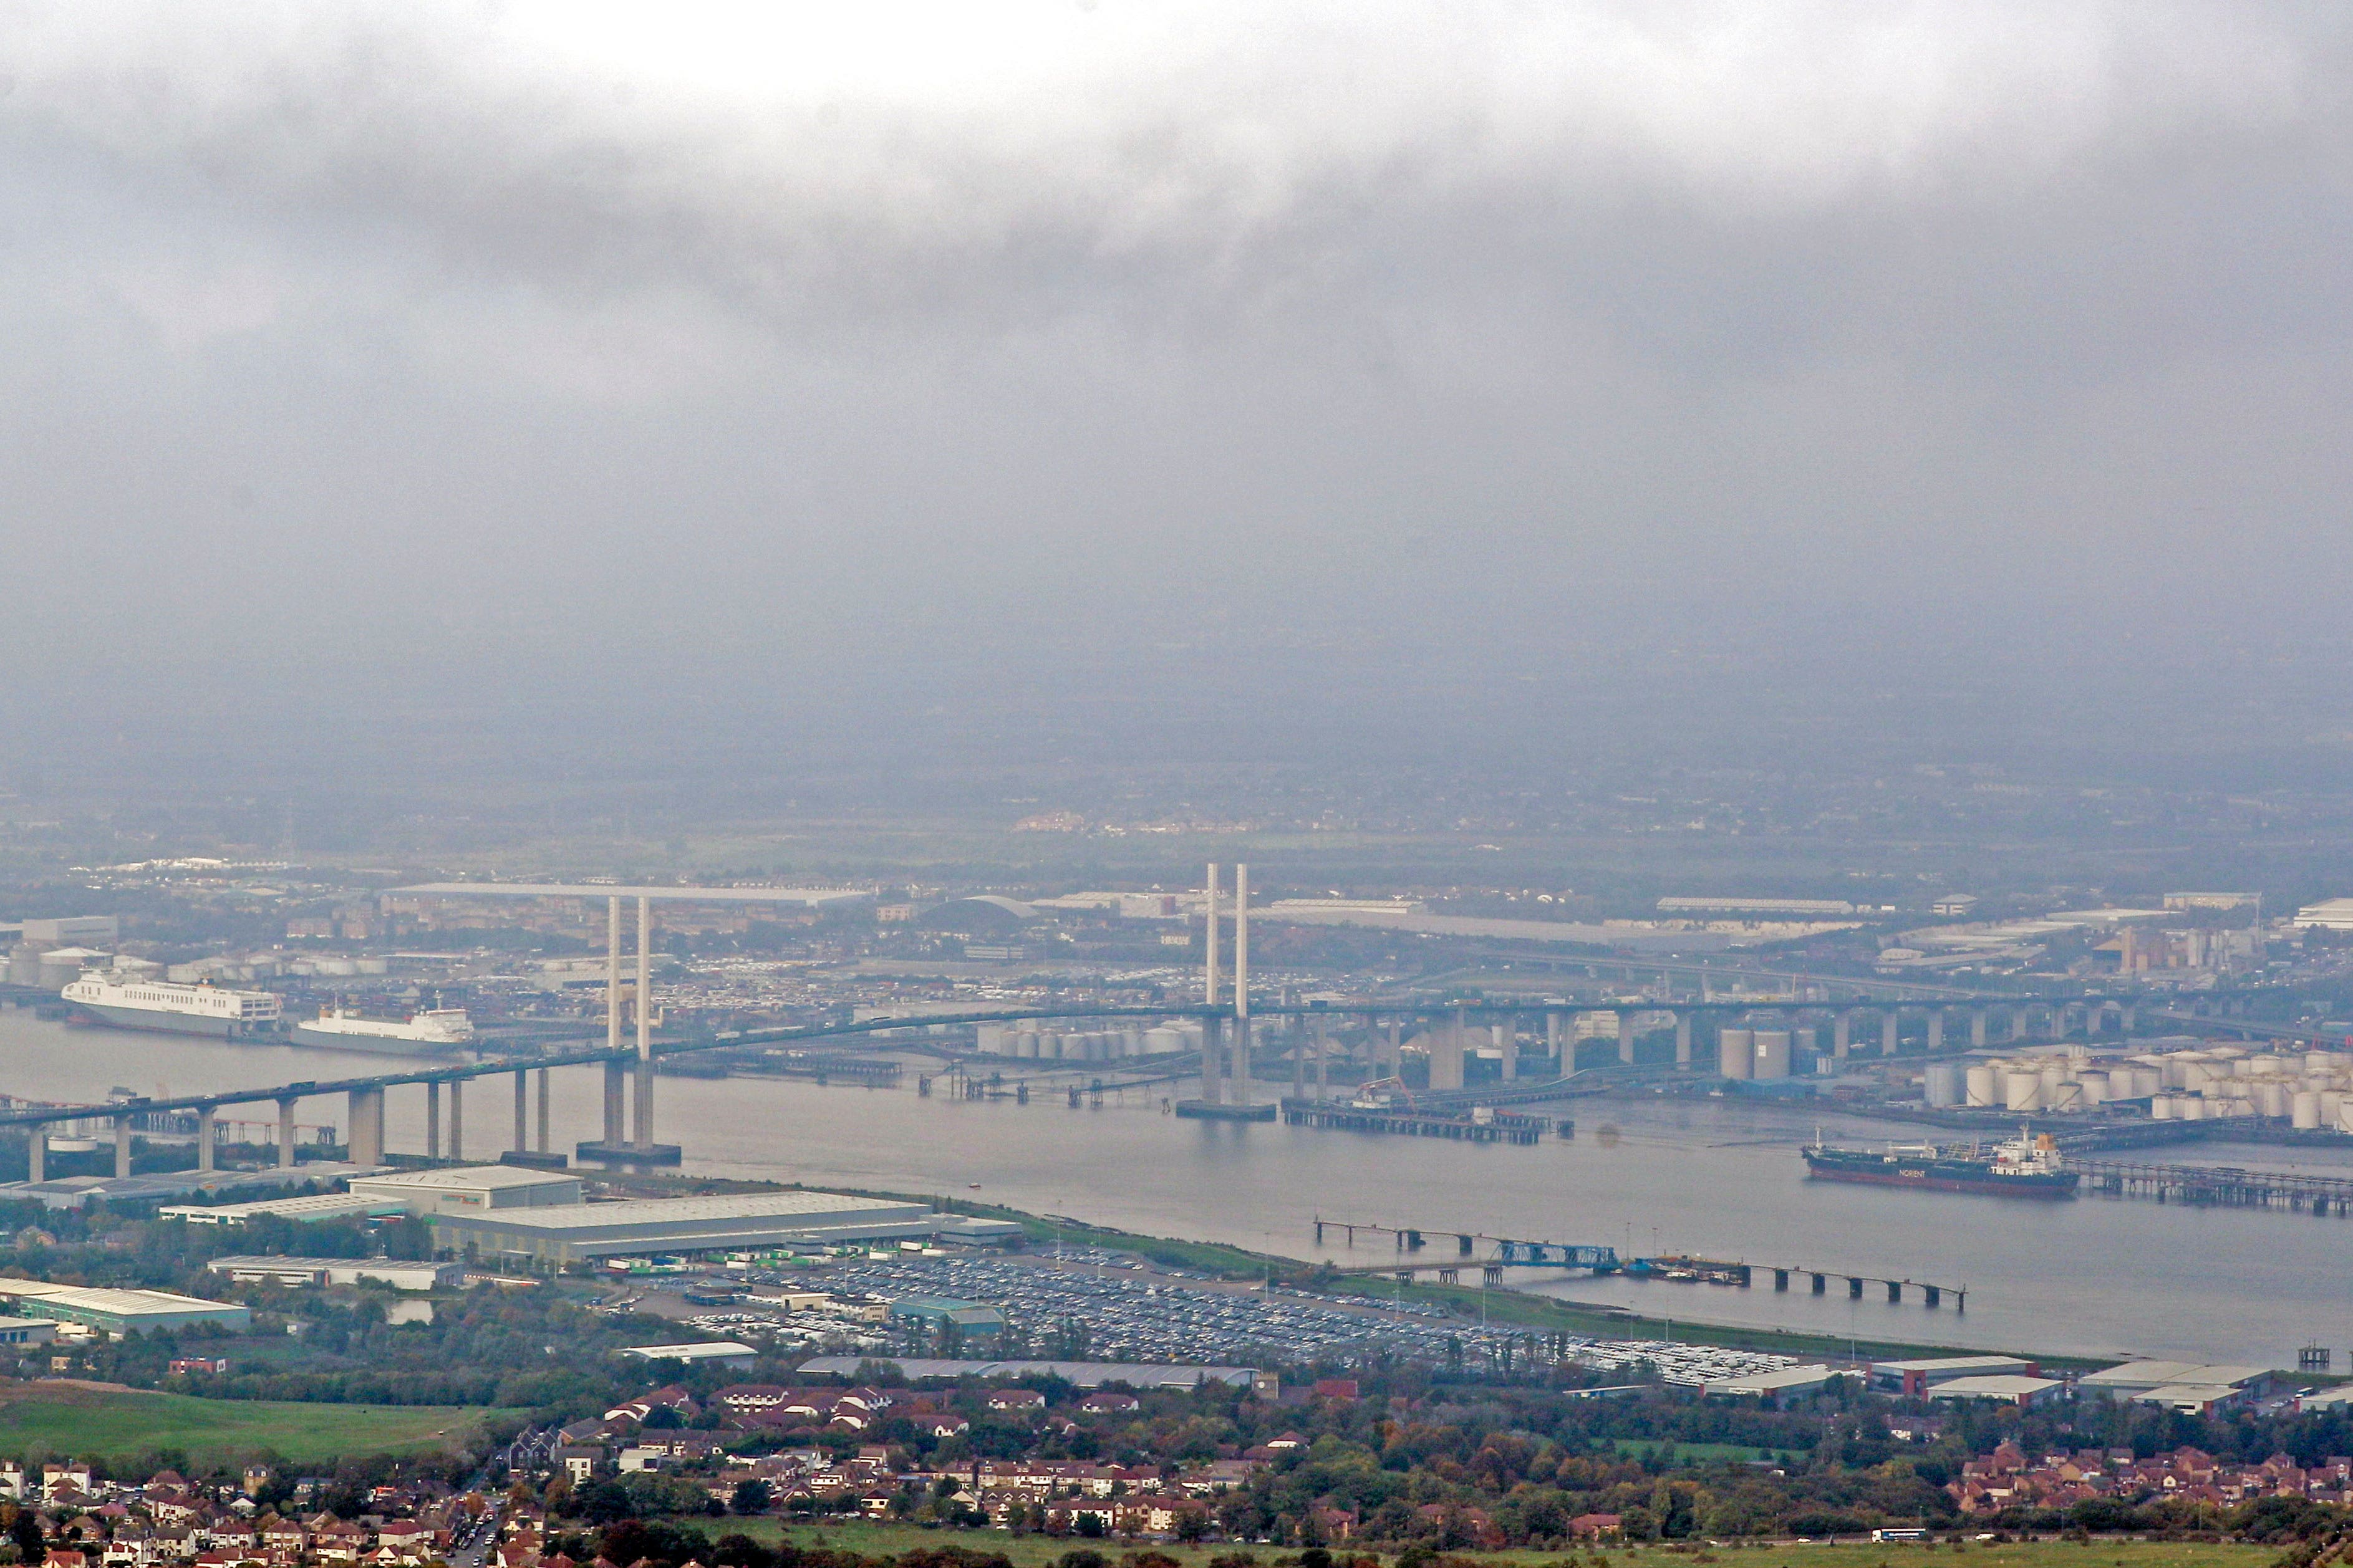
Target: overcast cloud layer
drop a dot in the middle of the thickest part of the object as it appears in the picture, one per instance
(363, 353)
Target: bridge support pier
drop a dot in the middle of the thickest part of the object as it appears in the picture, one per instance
(1976, 1028)
(457, 1119)
(286, 1134)
(364, 1138)
(208, 1139)
(1853, 1288)
(433, 1120)
(1895, 1290)
(644, 1127)
(1552, 1043)
(1935, 1030)
(1323, 1061)
(1213, 1061)
(37, 1153)
(1780, 1279)
(616, 1078)
(522, 1112)
(542, 1111)
(1625, 1037)
(1682, 1042)
(1889, 1021)
(1933, 1295)
(123, 1145)
(1822, 1284)
(1842, 1035)
(1507, 1034)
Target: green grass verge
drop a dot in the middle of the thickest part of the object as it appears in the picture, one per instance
(70, 1420)
(877, 1540)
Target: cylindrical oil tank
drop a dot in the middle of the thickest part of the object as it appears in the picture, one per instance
(2320, 1061)
(2246, 1067)
(2272, 1097)
(2095, 1085)
(2062, 1096)
(1772, 1053)
(2148, 1081)
(1735, 1052)
(2021, 1090)
(2345, 1114)
(2160, 1107)
(1984, 1084)
(2055, 1073)
(1946, 1084)
(2330, 1099)
(2265, 1063)
(2305, 1112)
(1025, 1044)
(2189, 1107)
(2196, 1075)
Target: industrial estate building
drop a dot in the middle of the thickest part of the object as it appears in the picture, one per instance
(399, 1273)
(1077, 1374)
(307, 1210)
(117, 1311)
(1921, 1375)
(579, 1232)
(470, 1189)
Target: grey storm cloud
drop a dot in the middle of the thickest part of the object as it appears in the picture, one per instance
(469, 331)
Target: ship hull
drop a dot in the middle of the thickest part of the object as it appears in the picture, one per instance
(1928, 1178)
(374, 1045)
(159, 1022)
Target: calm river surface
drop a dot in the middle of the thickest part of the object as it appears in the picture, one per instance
(1719, 1178)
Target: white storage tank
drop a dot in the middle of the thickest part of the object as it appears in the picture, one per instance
(2305, 1112)
(1736, 1052)
(2161, 1107)
(2189, 1107)
(2272, 1095)
(2345, 1115)
(2147, 1081)
(1772, 1053)
(2062, 1096)
(2320, 1061)
(1984, 1084)
(2095, 1085)
(1947, 1083)
(2022, 1090)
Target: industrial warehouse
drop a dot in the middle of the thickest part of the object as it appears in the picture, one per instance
(576, 1233)
(119, 1312)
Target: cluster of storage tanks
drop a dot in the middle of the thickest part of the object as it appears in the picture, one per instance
(2305, 1089)
(1760, 1052)
(1086, 1044)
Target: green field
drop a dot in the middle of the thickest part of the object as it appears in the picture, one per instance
(73, 1420)
(1038, 1550)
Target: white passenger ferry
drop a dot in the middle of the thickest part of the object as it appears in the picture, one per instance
(176, 1009)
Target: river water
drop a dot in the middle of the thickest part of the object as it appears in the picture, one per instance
(1719, 1178)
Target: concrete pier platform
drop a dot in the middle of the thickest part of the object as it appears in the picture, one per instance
(606, 1153)
(1202, 1110)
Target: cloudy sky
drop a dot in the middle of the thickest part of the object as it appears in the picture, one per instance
(407, 358)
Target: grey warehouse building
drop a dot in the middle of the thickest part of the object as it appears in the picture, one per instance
(578, 1232)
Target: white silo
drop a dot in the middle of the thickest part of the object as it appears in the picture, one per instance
(2320, 1061)
(2160, 1107)
(2094, 1086)
(2147, 1081)
(2021, 1090)
(1984, 1084)
(1772, 1047)
(2189, 1107)
(1945, 1084)
(2062, 1096)
(2304, 1112)
(2272, 1095)
(1736, 1053)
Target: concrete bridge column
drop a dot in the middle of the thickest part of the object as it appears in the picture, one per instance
(433, 1119)
(1395, 1060)
(364, 1118)
(207, 1139)
(542, 1111)
(1507, 1034)
(1552, 1041)
(285, 1134)
(123, 1145)
(1935, 1030)
(644, 1127)
(36, 1152)
(1298, 1065)
(1322, 1059)
(523, 1112)
(1842, 1035)
(457, 1119)
(1625, 1037)
(1889, 1021)
(617, 1079)
(1682, 1042)
(2128, 1019)
(1978, 1028)
(1242, 1060)
(1213, 1053)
